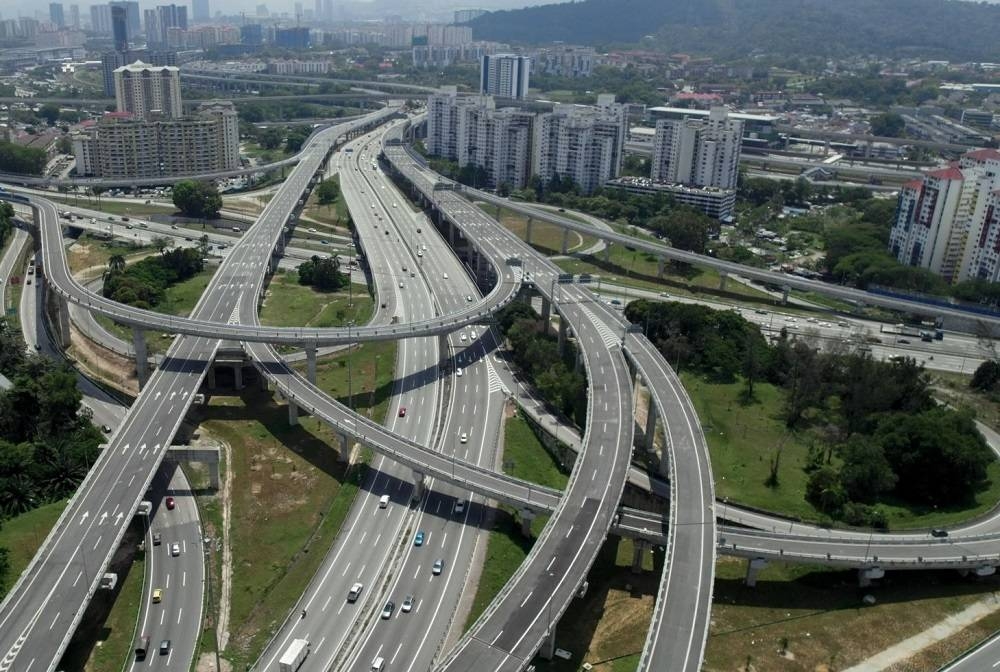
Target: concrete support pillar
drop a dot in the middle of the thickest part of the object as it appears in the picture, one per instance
(452, 234)
(211, 377)
(639, 547)
(444, 350)
(578, 362)
(527, 233)
(344, 452)
(607, 252)
(785, 291)
(546, 312)
(651, 414)
(418, 486)
(565, 241)
(562, 335)
(868, 574)
(660, 267)
(62, 310)
(293, 413)
(213, 475)
(527, 517)
(141, 356)
(480, 266)
(311, 362)
(548, 649)
(754, 566)
(263, 382)
(238, 376)
(723, 277)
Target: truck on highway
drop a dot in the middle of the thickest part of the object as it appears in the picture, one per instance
(293, 657)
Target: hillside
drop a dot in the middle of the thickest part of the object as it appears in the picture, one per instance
(950, 29)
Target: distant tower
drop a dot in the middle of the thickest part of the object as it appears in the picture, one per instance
(56, 15)
(119, 27)
(200, 10)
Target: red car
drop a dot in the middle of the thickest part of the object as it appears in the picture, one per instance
(170, 503)
(402, 411)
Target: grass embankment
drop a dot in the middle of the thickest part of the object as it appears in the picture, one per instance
(742, 439)
(953, 388)
(114, 644)
(179, 299)
(23, 535)
(334, 214)
(136, 208)
(546, 238)
(290, 304)
(292, 499)
(818, 618)
(89, 252)
(525, 457)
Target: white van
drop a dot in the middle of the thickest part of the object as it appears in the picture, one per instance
(378, 665)
(383, 501)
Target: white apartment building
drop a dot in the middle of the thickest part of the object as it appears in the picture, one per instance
(947, 221)
(145, 90)
(123, 146)
(564, 61)
(702, 151)
(504, 75)
(471, 131)
(584, 143)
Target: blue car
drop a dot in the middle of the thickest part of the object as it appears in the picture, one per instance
(419, 539)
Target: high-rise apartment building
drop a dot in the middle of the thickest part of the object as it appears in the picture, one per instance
(252, 33)
(200, 10)
(74, 17)
(100, 19)
(292, 38)
(583, 143)
(949, 220)
(473, 132)
(123, 146)
(56, 15)
(702, 151)
(132, 17)
(161, 20)
(466, 15)
(146, 90)
(504, 75)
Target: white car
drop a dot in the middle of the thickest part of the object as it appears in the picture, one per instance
(461, 337)
(464, 438)
(445, 276)
(175, 548)
(400, 285)
(458, 372)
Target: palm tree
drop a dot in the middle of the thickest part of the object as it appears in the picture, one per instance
(116, 264)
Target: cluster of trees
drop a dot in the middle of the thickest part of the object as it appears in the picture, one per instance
(46, 443)
(536, 352)
(323, 273)
(292, 137)
(629, 84)
(328, 191)
(255, 113)
(197, 199)
(884, 436)
(144, 283)
(734, 28)
(6, 221)
(21, 160)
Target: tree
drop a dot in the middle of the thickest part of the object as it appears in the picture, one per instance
(116, 263)
(269, 138)
(297, 136)
(197, 199)
(161, 243)
(890, 125)
(49, 112)
(866, 473)
(824, 490)
(323, 274)
(986, 377)
(327, 192)
(686, 227)
(22, 160)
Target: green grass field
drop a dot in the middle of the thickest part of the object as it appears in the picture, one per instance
(114, 646)
(23, 535)
(368, 371)
(743, 438)
(292, 498)
(137, 208)
(525, 457)
(289, 304)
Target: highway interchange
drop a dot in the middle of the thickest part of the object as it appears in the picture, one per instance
(532, 602)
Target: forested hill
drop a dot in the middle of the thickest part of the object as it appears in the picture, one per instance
(949, 29)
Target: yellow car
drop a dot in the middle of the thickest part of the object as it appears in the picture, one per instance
(157, 595)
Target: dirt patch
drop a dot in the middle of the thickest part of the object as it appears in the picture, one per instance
(206, 663)
(103, 364)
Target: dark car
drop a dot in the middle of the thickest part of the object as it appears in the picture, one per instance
(402, 411)
(170, 504)
(938, 532)
(164, 647)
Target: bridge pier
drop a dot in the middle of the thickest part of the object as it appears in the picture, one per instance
(211, 377)
(546, 313)
(785, 291)
(548, 648)
(562, 335)
(723, 277)
(141, 356)
(444, 351)
(867, 574)
(527, 517)
(344, 453)
(452, 234)
(607, 252)
(418, 486)
(639, 547)
(565, 241)
(293, 413)
(527, 233)
(238, 376)
(661, 266)
(311, 362)
(649, 437)
(754, 565)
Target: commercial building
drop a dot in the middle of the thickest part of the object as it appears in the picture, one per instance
(714, 202)
(947, 221)
(700, 151)
(580, 142)
(504, 75)
(159, 22)
(74, 17)
(199, 10)
(292, 38)
(56, 15)
(132, 16)
(564, 61)
(100, 19)
(119, 27)
(442, 56)
(145, 90)
(123, 146)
